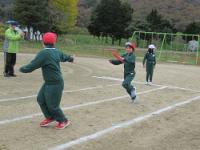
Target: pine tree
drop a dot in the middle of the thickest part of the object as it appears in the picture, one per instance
(110, 18)
(156, 23)
(193, 28)
(154, 19)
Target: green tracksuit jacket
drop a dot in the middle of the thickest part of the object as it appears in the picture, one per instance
(129, 70)
(150, 60)
(50, 94)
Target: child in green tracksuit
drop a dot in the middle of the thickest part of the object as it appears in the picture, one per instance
(150, 60)
(128, 59)
(50, 94)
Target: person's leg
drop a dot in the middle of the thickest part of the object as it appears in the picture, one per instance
(151, 67)
(53, 94)
(127, 85)
(147, 76)
(147, 73)
(12, 64)
(42, 102)
(151, 74)
(6, 64)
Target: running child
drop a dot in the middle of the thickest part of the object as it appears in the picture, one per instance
(128, 59)
(50, 94)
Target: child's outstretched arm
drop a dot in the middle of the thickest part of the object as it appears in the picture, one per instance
(118, 57)
(36, 63)
(115, 62)
(65, 57)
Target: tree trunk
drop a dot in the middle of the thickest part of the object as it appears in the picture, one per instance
(106, 39)
(113, 40)
(28, 34)
(120, 40)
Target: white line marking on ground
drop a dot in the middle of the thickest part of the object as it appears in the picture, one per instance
(121, 125)
(76, 106)
(69, 91)
(169, 86)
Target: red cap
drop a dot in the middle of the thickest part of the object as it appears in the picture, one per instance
(49, 38)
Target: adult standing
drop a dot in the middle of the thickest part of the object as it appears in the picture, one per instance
(11, 47)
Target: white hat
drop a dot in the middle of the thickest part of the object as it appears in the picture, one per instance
(132, 45)
(128, 44)
(151, 46)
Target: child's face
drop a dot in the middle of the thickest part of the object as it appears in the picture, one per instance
(150, 50)
(129, 49)
(13, 26)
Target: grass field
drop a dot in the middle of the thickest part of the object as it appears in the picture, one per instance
(86, 45)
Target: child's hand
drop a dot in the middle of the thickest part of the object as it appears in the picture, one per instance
(20, 69)
(110, 61)
(117, 56)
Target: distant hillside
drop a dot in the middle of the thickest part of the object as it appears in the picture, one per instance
(5, 9)
(6, 1)
(179, 12)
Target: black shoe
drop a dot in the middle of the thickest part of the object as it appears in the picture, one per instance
(12, 75)
(6, 75)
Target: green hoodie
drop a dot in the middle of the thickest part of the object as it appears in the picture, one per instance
(129, 63)
(11, 43)
(49, 60)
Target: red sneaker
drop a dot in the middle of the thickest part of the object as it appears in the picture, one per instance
(46, 122)
(62, 125)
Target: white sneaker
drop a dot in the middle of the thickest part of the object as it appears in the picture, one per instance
(133, 95)
(146, 83)
(135, 100)
(150, 83)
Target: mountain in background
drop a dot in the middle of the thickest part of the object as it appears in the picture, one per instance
(5, 9)
(178, 12)
(6, 1)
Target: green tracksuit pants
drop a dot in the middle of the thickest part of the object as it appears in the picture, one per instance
(49, 98)
(127, 82)
(149, 72)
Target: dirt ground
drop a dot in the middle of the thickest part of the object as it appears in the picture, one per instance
(95, 103)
